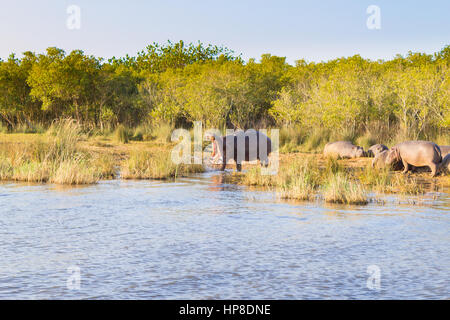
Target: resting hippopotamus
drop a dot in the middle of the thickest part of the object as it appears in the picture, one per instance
(417, 154)
(444, 166)
(376, 149)
(248, 146)
(445, 150)
(343, 149)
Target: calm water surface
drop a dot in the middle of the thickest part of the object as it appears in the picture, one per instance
(198, 238)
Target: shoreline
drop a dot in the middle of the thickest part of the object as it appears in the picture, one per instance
(301, 176)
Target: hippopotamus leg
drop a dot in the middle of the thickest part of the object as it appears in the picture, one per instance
(406, 166)
(434, 167)
(264, 162)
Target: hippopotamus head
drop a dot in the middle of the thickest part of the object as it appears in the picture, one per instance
(393, 156)
(359, 152)
(376, 149)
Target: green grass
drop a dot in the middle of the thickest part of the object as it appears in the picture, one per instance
(386, 181)
(316, 140)
(291, 139)
(299, 180)
(366, 141)
(339, 188)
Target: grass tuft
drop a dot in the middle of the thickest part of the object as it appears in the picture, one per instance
(121, 134)
(340, 189)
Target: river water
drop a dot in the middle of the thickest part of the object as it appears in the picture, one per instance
(198, 238)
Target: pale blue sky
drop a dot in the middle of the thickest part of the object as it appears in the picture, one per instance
(313, 30)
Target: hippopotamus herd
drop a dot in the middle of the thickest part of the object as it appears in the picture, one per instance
(254, 145)
(406, 155)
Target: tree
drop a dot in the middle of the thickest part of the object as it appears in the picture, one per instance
(65, 84)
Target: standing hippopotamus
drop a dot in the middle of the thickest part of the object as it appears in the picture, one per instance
(376, 149)
(416, 153)
(343, 149)
(380, 161)
(248, 146)
(445, 150)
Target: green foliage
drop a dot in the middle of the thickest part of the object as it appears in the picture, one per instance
(158, 58)
(177, 83)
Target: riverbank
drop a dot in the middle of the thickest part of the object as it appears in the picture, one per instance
(66, 156)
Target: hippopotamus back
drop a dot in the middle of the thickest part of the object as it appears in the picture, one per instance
(376, 149)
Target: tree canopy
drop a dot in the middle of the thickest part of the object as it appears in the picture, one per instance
(182, 83)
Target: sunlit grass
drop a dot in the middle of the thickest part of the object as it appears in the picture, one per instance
(76, 171)
(56, 159)
(298, 180)
(385, 180)
(339, 188)
(155, 165)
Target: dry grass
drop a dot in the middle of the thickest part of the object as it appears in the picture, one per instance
(303, 179)
(66, 155)
(154, 165)
(121, 134)
(76, 171)
(56, 159)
